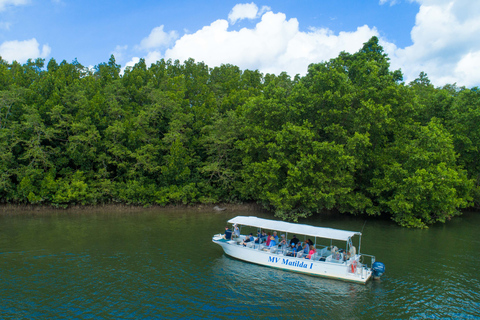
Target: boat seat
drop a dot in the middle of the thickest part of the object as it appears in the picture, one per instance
(330, 258)
(323, 252)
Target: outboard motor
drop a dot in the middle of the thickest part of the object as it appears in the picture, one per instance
(378, 269)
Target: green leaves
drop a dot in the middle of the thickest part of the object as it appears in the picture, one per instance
(418, 181)
(347, 136)
(301, 175)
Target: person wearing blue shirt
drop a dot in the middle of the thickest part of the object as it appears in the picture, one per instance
(306, 247)
(228, 234)
(297, 249)
(273, 242)
(262, 238)
(248, 238)
(294, 241)
(275, 236)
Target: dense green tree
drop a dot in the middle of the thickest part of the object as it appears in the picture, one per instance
(418, 182)
(347, 136)
(463, 122)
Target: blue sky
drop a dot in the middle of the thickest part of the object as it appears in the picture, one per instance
(439, 37)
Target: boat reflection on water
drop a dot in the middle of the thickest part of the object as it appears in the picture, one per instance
(268, 289)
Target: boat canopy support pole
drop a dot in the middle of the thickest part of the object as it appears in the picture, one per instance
(359, 243)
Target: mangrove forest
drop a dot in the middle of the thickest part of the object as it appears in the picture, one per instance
(349, 136)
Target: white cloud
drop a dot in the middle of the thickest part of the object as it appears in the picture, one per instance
(21, 51)
(5, 3)
(130, 64)
(158, 38)
(445, 41)
(152, 57)
(246, 11)
(243, 11)
(468, 67)
(273, 46)
(119, 52)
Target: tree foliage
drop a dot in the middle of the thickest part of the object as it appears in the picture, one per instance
(348, 136)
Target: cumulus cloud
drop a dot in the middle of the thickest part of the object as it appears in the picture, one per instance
(274, 45)
(158, 39)
(445, 43)
(152, 57)
(245, 11)
(5, 3)
(119, 52)
(21, 51)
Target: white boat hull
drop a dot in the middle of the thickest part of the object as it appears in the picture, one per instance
(342, 270)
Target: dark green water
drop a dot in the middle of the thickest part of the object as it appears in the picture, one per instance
(163, 265)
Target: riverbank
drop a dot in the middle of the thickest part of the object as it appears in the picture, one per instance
(10, 209)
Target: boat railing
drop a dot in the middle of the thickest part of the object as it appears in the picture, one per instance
(367, 259)
(321, 254)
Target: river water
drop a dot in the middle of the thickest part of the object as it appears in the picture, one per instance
(158, 264)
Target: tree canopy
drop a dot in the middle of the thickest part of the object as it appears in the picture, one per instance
(348, 136)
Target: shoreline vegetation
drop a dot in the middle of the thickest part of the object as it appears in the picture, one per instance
(13, 209)
(350, 137)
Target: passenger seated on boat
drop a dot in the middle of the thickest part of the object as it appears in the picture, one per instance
(351, 253)
(306, 247)
(248, 238)
(236, 231)
(273, 242)
(268, 239)
(299, 250)
(294, 241)
(283, 242)
(336, 255)
(291, 250)
(263, 237)
(275, 236)
(228, 234)
(311, 252)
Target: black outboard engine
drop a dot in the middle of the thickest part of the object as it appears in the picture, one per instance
(378, 269)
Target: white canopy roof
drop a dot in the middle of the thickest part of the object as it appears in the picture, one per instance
(294, 228)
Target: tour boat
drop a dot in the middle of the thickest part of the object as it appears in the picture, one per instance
(344, 263)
